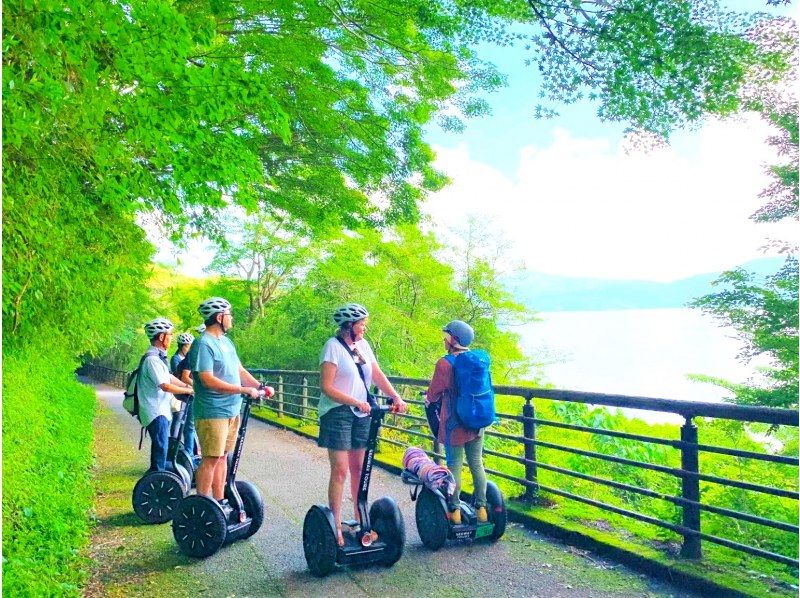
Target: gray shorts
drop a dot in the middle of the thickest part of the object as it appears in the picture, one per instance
(341, 430)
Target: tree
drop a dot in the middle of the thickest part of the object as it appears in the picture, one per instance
(765, 313)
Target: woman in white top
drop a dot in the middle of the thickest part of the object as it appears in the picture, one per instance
(344, 404)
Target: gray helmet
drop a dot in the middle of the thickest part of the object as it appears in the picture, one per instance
(460, 331)
(352, 312)
(201, 329)
(157, 326)
(215, 305)
(185, 338)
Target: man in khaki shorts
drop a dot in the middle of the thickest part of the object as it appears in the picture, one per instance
(219, 382)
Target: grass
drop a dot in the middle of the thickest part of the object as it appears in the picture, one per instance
(130, 557)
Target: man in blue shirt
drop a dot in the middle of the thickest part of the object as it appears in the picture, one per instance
(219, 382)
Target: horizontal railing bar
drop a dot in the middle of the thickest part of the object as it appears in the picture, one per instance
(676, 528)
(407, 431)
(781, 525)
(678, 444)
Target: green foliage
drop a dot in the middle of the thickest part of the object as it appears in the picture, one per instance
(47, 460)
(766, 318)
(410, 295)
(654, 64)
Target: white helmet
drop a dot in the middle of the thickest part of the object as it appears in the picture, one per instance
(201, 329)
(215, 305)
(157, 326)
(352, 312)
(185, 338)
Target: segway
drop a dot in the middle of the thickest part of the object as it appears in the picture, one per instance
(435, 527)
(202, 525)
(156, 495)
(321, 550)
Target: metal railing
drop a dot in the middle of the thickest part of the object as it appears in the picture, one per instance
(297, 398)
(103, 374)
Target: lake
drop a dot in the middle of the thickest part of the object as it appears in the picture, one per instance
(643, 352)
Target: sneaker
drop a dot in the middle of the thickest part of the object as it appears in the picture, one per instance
(483, 516)
(455, 516)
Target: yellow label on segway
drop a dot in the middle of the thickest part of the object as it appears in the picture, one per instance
(484, 530)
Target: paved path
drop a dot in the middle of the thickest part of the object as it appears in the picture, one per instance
(292, 474)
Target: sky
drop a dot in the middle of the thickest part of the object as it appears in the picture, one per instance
(567, 200)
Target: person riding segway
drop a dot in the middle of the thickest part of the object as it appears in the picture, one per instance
(348, 368)
(157, 493)
(462, 387)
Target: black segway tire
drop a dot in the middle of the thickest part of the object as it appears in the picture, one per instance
(432, 523)
(199, 526)
(388, 523)
(497, 510)
(156, 496)
(253, 505)
(319, 543)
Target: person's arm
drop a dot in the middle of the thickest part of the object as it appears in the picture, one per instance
(186, 376)
(327, 373)
(248, 378)
(169, 383)
(440, 381)
(382, 382)
(211, 382)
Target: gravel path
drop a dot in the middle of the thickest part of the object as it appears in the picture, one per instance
(292, 474)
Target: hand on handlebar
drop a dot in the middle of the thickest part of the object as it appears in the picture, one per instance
(251, 392)
(399, 405)
(363, 406)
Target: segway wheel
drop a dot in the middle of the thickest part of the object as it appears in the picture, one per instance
(432, 523)
(388, 523)
(497, 510)
(199, 526)
(253, 505)
(319, 542)
(156, 496)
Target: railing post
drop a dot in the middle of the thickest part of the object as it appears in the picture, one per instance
(305, 396)
(529, 432)
(280, 396)
(690, 489)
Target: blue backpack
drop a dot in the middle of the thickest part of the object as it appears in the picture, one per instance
(474, 392)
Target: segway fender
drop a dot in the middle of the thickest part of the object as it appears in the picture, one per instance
(326, 510)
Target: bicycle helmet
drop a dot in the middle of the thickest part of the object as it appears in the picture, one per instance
(157, 326)
(352, 312)
(215, 305)
(201, 329)
(185, 338)
(461, 332)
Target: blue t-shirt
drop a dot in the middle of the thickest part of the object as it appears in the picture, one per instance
(218, 356)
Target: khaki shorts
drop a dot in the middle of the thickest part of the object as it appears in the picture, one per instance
(217, 436)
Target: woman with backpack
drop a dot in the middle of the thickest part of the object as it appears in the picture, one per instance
(348, 368)
(457, 439)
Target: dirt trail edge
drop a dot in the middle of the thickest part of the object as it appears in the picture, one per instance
(134, 559)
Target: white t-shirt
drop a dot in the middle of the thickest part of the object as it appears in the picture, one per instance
(152, 400)
(346, 379)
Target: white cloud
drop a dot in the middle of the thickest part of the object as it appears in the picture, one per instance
(582, 207)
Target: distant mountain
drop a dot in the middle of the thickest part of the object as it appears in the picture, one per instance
(545, 292)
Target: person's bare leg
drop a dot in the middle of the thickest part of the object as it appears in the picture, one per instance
(338, 460)
(204, 476)
(220, 473)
